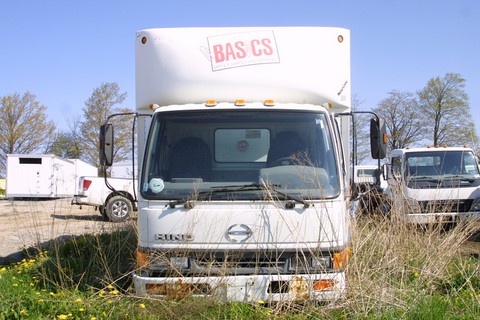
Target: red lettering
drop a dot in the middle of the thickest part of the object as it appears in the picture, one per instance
(255, 51)
(241, 51)
(218, 53)
(229, 52)
(268, 48)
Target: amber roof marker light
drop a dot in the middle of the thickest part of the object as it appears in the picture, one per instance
(340, 38)
(144, 40)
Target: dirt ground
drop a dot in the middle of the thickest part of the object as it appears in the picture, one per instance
(24, 224)
(32, 223)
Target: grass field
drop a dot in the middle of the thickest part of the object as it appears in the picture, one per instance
(395, 271)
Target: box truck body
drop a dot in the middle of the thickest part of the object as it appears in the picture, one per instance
(44, 175)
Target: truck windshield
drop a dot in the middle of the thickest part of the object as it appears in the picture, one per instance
(453, 164)
(223, 153)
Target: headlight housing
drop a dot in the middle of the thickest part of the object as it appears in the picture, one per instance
(301, 263)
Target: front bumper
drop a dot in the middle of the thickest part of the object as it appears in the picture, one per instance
(253, 288)
(440, 217)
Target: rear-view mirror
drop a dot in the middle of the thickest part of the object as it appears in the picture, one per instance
(106, 145)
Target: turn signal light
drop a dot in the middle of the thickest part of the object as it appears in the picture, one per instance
(340, 259)
(325, 284)
(142, 259)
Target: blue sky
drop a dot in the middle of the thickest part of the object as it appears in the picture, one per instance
(61, 50)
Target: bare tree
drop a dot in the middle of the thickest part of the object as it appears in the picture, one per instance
(24, 126)
(403, 119)
(360, 132)
(97, 108)
(446, 110)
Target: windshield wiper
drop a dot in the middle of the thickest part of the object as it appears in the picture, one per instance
(426, 178)
(462, 178)
(188, 202)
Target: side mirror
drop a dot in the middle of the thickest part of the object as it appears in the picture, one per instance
(378, 138)
(106, 145)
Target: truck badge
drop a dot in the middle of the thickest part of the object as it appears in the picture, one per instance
(238, 233)
(174, 237)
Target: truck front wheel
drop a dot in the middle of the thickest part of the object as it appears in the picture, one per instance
(118, 208)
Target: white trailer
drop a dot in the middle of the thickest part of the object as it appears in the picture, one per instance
(44, 175)
(243, 156)
(434, 185)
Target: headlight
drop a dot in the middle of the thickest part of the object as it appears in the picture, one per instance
(179, 263)
(168, 263)
(306, 262)
(475, 205)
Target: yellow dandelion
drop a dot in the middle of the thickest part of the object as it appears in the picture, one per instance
(4, 269)
(416, 274)
(78, 300)
(110, 287)
(114, 292)
(81, 309)
(40, 300)
(15, 284)
(261, 302)
(141, 305)
(93, 318)
(62, 316)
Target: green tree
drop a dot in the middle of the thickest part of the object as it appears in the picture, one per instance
(446, 111)
(403, 119)
(67, 143)
(98, 107)
(24, 126)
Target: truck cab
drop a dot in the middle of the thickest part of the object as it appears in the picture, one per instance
(437, 184)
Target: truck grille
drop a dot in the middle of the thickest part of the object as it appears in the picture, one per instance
(241, 263)
(445, 206)
(238, 263)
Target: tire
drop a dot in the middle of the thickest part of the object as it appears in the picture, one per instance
(103, 212)
(118, 208)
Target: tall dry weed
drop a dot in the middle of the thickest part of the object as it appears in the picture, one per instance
(394, 262)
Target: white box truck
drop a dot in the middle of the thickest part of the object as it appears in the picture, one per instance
(243, 156)
(434, 185)
(44, 175)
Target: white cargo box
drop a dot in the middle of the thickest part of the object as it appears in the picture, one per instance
(44, 176)
(284, 64)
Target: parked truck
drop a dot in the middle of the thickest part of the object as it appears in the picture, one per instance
(367, 177)
(369, 185)
(434, 185)
(243, 151)
(115, 205)
(115, 200)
